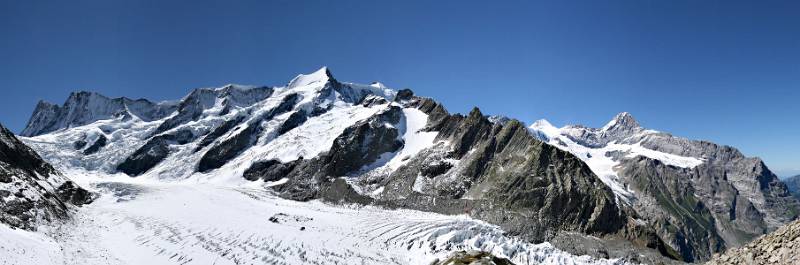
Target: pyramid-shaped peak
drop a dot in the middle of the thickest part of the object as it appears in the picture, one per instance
(621, 121)
(542, 123)
(322, 75)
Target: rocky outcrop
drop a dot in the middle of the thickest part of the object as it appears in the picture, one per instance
(219, 131)
(270, 170)
(472, 258)
(362, 143)
(153, 152)
(781, 247)
(296, 119)
(226, 150)
(32, 192)
(99, 143)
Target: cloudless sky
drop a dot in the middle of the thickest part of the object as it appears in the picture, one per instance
(724, 71)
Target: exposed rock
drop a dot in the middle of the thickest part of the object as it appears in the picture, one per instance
(404, 95)
(99, 143)
(472, 258)
(220, 130)
(70, 192)
(270, 170)
(373, 100)
(31, 190)
(153, 152)
(296, 119)
(362, 143)
(226, 150)
(781, 247)
(79, 144)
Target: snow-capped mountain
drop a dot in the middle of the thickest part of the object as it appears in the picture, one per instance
(619, 192)
(701, 197)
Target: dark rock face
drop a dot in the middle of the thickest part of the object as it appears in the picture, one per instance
(296, 119)
(99, 143)
(70, 192)
(373, 100)
(364, 142)
(80, 144)
(146, 157)
(153, 152)
(223, 152)
(18, 156)
(219, 131)
(404, 95)
(270, 170)
(31, 190)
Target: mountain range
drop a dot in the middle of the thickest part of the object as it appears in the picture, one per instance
(621, 193)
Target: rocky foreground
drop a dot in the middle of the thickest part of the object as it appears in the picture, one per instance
(779, 247)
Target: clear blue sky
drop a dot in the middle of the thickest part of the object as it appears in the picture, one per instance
(723, 71)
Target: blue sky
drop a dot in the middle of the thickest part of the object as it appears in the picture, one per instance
(724, 71)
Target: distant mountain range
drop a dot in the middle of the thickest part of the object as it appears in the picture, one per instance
(793, 184)
(620, 191)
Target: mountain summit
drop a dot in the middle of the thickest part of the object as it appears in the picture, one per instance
(320, 76)
(621, 122)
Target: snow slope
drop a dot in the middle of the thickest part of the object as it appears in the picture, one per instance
(19, 246)
(139, 221)
(600, 158)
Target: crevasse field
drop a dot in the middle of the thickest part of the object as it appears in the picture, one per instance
(145, 221)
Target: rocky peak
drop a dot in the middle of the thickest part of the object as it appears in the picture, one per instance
(622, 122)
(84, 107)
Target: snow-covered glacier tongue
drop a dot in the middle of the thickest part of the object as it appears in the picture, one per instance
(320, 171)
